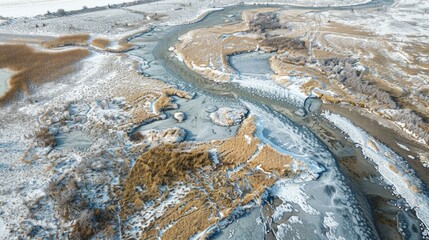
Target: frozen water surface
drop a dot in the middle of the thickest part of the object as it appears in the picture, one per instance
(4, 77)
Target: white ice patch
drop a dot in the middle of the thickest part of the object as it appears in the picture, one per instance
(330, 223)
(214, 157)
(403, 147)
(292, 193)
(391, 166)
(269, 88)
(248, 139)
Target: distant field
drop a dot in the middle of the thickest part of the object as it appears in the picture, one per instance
(29, 8)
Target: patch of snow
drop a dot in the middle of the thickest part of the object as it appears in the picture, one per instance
(330, 223)
(30, 8)
(392, 167)
(295, 194)
(403, 147)
(227, 116)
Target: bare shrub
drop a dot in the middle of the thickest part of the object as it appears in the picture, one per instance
(284, 43)
(412, 122)
(262, 22)
(61, 12)
(44, 137)
(73, 194)
(136, 136)
(344, 71)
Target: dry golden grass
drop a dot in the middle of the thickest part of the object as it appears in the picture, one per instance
(162, 165)
(164, 102)
(236, 150)
(190, 217)
(209, 50)
(70, 40)
(100, 43)
(309, 86)
(272, 161)
(33, 67)
(123, 47)
(141, 100)
(216, 194)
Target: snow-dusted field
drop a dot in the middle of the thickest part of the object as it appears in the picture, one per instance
(30, 8)
(391, 166)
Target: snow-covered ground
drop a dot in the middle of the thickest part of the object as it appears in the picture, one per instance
(335, 214)
(30, 8)
(404, 17)
(391, 166)
(316, 197)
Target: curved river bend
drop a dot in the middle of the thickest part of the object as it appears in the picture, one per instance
(355, 203)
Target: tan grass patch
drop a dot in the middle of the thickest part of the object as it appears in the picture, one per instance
(162, 165)
(33, 67)
(309, 86)
(70, 40)
(272, 161)
(100, 43)
(216, 195)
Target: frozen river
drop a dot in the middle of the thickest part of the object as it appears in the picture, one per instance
(4, 77)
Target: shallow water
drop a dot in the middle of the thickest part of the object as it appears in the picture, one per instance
(254, 64)
(197, 124)
(73, 140)
(249, 226)
(4, 77)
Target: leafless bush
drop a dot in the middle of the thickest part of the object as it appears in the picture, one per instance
(284, 43)
(44, 137)
(412, 122)
(343, 69)
(77, 194)
(262, 22)
(136, 136)
(61, 12)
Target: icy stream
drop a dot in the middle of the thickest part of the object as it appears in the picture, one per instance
(4, 78)
(322, 201)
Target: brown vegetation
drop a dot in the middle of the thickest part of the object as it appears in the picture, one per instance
(164, 102)
(162, 165)
(262, 22)
(44, 137)
(100, 43)
(216, 189)
(284, 43)
(33, 67)
(272, 161)
(70, 40)
(90, 222)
